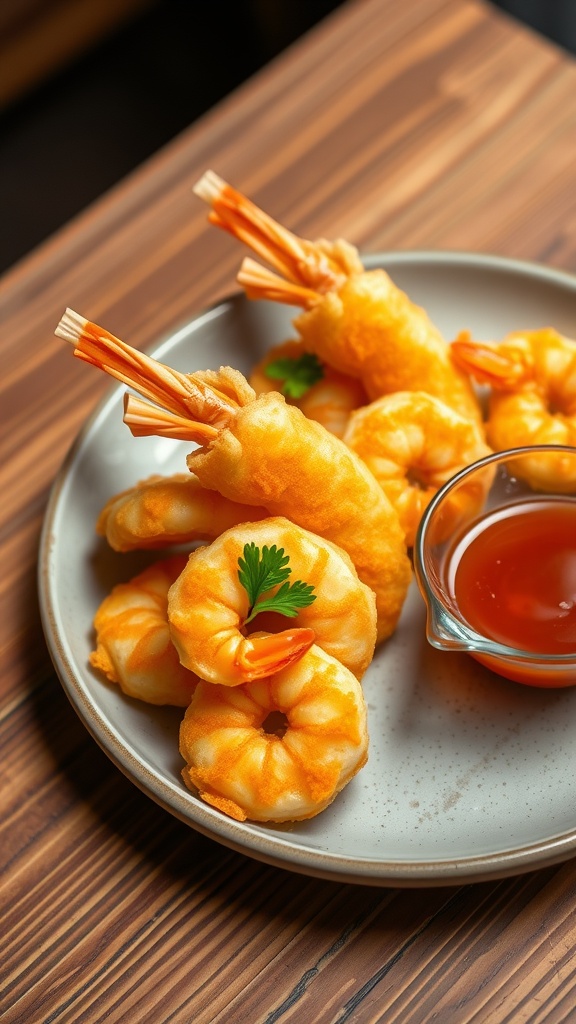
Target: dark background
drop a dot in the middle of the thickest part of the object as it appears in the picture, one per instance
(84, 124)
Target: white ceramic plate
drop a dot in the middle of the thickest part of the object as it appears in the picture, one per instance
(469, 776)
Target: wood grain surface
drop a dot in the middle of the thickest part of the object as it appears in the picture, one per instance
(426, 124)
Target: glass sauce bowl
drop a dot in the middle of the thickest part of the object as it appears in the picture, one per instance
(495, 560)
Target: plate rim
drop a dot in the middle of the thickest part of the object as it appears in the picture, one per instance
(275, 849)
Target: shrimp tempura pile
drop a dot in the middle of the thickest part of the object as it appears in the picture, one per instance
(329, 453)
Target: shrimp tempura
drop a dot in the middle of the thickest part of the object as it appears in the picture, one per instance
(356, 320)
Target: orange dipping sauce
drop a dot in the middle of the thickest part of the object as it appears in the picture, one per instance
(513, 576)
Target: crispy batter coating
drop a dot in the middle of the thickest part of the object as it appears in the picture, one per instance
(370, 329)
(207, 606)
(533, 400)
(161, 511)
(133, 643)
(279, 749)
(413, 443)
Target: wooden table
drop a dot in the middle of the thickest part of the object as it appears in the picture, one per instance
(425, 124)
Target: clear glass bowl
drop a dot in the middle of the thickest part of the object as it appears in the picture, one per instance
(505, 484)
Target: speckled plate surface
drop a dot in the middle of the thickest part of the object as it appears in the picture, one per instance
(469, 776)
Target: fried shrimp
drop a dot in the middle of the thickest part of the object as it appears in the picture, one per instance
(413, 443)
(260, 451)
(358, 321)
(162, 511)
(208, 606)
(278, 749)
(532, 375)
(321, 392)
(133, 644)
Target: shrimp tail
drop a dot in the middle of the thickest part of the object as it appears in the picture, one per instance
(312, 267)
(258, 282)
(260, 656)
(234, 212)
(489, 364)
(146, 420)
(183, 397)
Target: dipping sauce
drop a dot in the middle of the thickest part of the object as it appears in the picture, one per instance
(513, 576)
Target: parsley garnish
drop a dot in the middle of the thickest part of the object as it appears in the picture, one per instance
(259, 573)
(298, 374)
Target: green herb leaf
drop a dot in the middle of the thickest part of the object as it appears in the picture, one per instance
(298, 374)
(260, 573)
(287, 600)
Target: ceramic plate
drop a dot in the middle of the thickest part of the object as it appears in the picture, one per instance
(469, 776)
